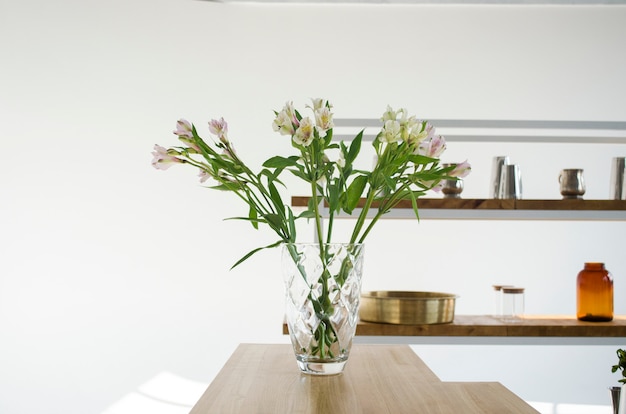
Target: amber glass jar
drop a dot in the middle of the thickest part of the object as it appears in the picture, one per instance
(594, 294)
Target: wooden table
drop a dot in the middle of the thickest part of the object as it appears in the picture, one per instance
(378, 379)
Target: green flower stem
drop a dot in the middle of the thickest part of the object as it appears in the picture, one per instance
(325, 335)
(318, 220)
(251, 198)
(385, 206)
(362, 216)
(329, 230)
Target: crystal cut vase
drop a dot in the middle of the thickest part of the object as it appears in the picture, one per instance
(323, 290)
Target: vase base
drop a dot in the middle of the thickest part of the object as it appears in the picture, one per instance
(321, 368)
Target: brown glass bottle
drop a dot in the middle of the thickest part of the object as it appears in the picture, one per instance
(594, 294)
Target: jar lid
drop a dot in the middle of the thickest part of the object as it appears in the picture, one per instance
(499, 287)
(511, 289)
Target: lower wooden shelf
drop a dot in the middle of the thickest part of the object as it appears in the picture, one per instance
(484, 325)
(557, 326)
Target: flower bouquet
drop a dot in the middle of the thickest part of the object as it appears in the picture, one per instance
(323, 277)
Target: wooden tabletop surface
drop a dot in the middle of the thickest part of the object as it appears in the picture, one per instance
(378, 379)
(486, 325)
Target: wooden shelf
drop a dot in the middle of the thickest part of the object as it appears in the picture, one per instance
(555, 326)
(484, 325)
(509, 209)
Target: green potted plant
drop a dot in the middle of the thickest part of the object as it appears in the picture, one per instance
(620, 366)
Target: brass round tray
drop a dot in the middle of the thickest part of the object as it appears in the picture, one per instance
(407, 307)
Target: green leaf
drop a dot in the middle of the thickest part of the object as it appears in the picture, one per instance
(253, 217)
(353, 193)
(334, 193)
(276, 199)
(309, 214)
(328, 138)
(281, 162)
(272, 176)
(301, 174)
(414, 205)
(258, 220)
(421, 159)
(226, 187)
(274, 221)
(292, 225)
(247, 256)
(355, 148)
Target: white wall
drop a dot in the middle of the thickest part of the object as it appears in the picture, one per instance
(112, 272)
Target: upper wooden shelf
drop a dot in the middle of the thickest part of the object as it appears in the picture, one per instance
(508, 209)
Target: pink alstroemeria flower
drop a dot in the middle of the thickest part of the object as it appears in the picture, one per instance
(438, 187)
(461, 170)
(220, 129)
(433, 147)
(183, 129)
(203, 176)
(162, 159)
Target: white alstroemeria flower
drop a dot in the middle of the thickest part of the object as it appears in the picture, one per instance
(390, 132)
(318, 103)
(402, 112)
(304, 133)
(282, 124)
(286, 121)
(323, 119)
(341, 161)
(388, 115)
(407, 128)
(420, 131)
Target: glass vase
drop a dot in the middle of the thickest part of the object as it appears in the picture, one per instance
(323, 290)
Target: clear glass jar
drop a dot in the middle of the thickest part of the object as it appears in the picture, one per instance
(594, 293)
(512, 304)
(497, 299)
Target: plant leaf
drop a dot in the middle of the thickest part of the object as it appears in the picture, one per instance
(355, 148)
(353, 193)
(250, 253)
(281, 162)
(253, 217)
(422, 159)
